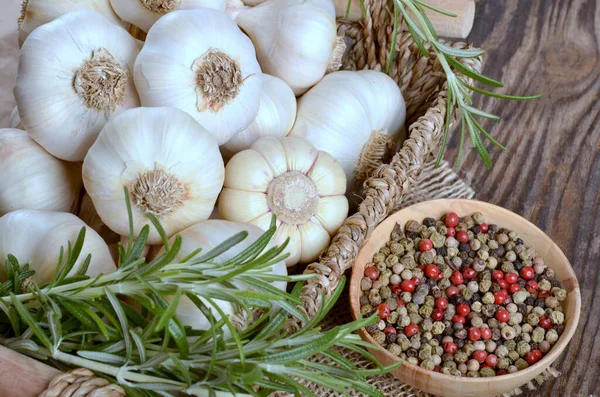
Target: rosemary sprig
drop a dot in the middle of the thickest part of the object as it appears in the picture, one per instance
(94, 323)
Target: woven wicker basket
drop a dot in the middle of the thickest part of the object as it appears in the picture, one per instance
(422, 83)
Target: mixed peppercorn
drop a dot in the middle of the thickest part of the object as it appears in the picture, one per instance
(462, 297)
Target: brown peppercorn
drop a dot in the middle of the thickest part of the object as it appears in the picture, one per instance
(366, 310)
(391, 338)
(379, 337)
(364, 300)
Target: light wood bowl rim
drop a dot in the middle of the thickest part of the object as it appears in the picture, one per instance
(545, 362)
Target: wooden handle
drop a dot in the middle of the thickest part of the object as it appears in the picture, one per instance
(23, 376)
(451, 27)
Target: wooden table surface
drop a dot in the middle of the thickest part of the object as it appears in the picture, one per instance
(551, 172)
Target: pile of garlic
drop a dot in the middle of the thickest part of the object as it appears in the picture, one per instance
(225, 110)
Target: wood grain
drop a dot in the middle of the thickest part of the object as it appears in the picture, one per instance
(551, 172)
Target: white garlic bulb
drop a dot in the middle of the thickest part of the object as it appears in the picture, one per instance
(200, 62)
(74, 73)
(15, 120)
(304, 187)
(276, 116)
(294, 39)
(144, 13)
(87, 213)
(169, 163)
(35, 237)
(208, 235)
(32, 178)
(35, 13)
(357, 117)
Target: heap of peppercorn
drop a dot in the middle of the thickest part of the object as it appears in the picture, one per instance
(462, 297)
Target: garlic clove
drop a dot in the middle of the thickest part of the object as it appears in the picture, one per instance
(144, 13)
(15, 120)
(300, 154)
(35, 13)
(264, 221)
(240, 172)
(333, 211)
(294, 247)
(327, 176)
(32, 178)
(314, 240)
(200, 62)
(254, 204)
(74, 73)
(87, 213)
(272, 151)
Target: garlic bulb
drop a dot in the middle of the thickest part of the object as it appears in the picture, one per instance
(276, 116)
(207, 235)
(200, 62)
(294, 39)
(15, 120)
(87, 213)
(32, 178)
(74, 73)
(144, 13)
(289, 178)
(170, 164)
(35, 237)
(357, 117)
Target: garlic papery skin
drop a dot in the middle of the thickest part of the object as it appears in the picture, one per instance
(169, 163)
(200, 62)
(294, 39)
(35, 13)
(74, 73)
(208, 235)
(32, 178)
(35, 237)
(357, 117)
(304, 187)
(144, 13)
(15, 120)
(276, 116)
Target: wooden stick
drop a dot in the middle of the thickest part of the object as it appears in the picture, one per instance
(23, 376)
(451, 27)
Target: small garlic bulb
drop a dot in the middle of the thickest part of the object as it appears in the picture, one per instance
(35, 13)
(32, 178)
(15, 120)
(74, 73)
(357, 117)
(276, 116)
(289, 178)
(169, 163)
(294, 39)
(200, 62)
(144, 13)
(35, 237)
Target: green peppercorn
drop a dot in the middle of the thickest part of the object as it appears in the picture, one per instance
(508, 332)
(557, 317)
(425, 352)
(406, 297)
(483, 255)
(525, 337)
(395, 349)
(487, 372)
(545, 285)
(408, 261)
(510, 345)
(523, 348)
(415, 318)
(520, 296)
(488, 298)
(488, 310)
(366, 310)
(426, 257)
(461, 356)
(467, 294)
(515, 319)
(539, 311)
(552, 336)
(508, 267)
(492, 244)
(527, 328)
(403, 342)
(412, 307)
(451, 253)
(482, 237)
(379, 257)
(381, 266)
(526, 254)
(501, 351)
(426, 311)
(521, 364)
(503, 363)
(442, 229)
(484, 287)
(379, 337)
(509, 246)
(439, 260)
(438, 328)
(428, 364)
(404, 321)
(476, 307)
(513, 355)
(374, 297)
(561, 294)
(468, 348)
(393, 318)
(413, 360)
(396, 248)
(510, 256)
(391, 260)
(537, 335)
(445, 283)
(473, 374)
(426, 324)
(385, 250)
(402, 311)
(492, 262)
(429, 301)
(477, 322)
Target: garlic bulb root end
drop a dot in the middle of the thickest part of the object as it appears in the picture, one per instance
(218, 79)
(335, 61)
(160, 6)
(293, 197)
(23, 12)
(380, 147)
(158, 192)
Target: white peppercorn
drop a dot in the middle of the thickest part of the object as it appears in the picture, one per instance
(473, 365)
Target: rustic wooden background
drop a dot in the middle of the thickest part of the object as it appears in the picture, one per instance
(551, 172)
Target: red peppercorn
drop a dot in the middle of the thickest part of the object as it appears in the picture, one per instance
(502, 316)
(459, 319)
(532, 286)
(511, 278)
(450, 232)
(416, 280)
(499, 297)
(501, 372)
(411, 329)
(469, 273)
(456, 278)
(491, 360)
(480, 355)
(384, 310)
(450, 347)
(451, 219)
(372, 272)
(545, 322)
(437, 368)
(531, 358)
(497, 275)
(486, 333)
(451, 291)
(514, 288)
(425, 245)
(462, 236)
(543, 294)
(440, 276)
(400, 302)
(463, 309)
(408, 285)
(483, 227)
(437, 315)
(441, 303)
(389, 330)
(502, 283)
(538, 354)
(432, 271)
(474, 334)
(421, 267)
(527, 273)
(396, 289)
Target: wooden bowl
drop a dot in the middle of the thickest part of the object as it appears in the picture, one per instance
(447, 385)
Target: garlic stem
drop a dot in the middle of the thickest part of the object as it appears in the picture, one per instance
(158, 192)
